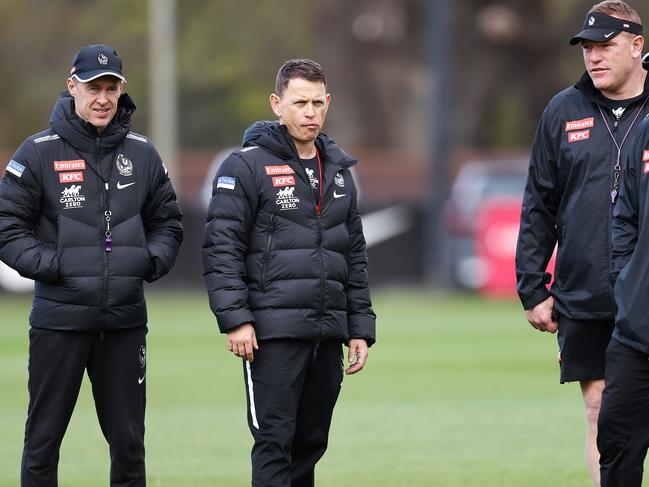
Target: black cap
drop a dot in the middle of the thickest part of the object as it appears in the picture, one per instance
(94, 61)
(600, 27)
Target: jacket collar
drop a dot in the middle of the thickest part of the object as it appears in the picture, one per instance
(81, 134)
(274, 137)
(586, 86)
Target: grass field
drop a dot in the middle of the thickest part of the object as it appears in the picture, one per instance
(457, 392)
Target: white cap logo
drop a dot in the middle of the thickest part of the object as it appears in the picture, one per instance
(102, 59)
(591, 21)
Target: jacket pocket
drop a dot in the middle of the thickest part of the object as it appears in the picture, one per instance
(266, 256)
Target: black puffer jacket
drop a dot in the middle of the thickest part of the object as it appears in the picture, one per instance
(271, 259)
(567, 201)
(53, 201)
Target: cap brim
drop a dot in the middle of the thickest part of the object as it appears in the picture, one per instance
(596, 35)
(90, 75)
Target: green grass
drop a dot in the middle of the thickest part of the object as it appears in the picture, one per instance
(457, 392)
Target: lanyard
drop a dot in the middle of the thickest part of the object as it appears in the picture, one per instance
(618, 168)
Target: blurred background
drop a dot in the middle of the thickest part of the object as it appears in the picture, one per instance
(439, 100)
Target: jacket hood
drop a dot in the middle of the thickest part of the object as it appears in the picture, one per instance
(274, 137)
(586, 86)
(81, 134)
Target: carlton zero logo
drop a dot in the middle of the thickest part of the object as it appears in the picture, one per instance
(584, 123)
(283, 181)
(73, 165)
(578, 136)
(286, 200)
(275, 170)
(72, 198)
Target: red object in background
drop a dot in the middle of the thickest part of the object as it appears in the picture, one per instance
(497, 224)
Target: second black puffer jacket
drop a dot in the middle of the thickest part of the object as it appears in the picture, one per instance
(271, 258)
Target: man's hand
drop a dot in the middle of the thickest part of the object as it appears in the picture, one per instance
(242, 341)
(541, 316)
(357, 355)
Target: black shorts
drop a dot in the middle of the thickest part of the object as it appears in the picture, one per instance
(582, 348)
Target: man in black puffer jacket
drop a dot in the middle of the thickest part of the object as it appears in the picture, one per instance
(285, 267)
(87, 211)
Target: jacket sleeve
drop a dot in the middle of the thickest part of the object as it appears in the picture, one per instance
(361, 317)
(624, 230)
(231, 214)
(20, 207)
(162, 222)
(538, 232)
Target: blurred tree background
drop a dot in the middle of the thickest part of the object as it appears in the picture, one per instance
(509, 57)
(504, 60)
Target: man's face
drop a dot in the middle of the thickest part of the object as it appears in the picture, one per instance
(96, 101)
(610, 63)
(302, 107)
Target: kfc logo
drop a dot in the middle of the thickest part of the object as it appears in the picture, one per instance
(70, 177)
(283, 181)
(578, 136)
(645, 155)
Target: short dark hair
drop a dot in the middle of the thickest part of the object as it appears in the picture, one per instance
(617, 8)
(298, 68)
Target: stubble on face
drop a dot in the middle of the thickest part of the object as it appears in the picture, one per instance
(302, 107)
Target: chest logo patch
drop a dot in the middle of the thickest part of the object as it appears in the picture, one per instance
(578, 136)
(283, 181)
(313, 181)
(72, 165)
(72, 197)
(286, 200)
(339, 180)
(70, 177)
(584, 123)
(275, 170)
(124, 165)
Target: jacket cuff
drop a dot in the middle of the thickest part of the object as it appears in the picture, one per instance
(538, 296)
(229, 320)
(362, 326)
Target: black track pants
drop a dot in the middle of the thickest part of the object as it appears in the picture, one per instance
(292, 388)
(116, 365)
(623, 427)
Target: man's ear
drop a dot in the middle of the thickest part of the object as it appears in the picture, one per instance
(275, 105)
(638, 45)
(72, 87)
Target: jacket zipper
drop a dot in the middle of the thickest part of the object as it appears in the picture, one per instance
(269, 241)
(103, 192)
(322, 288)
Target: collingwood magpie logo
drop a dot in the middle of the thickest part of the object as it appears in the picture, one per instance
(124, 165)
(591, 21)
(102, 59)
(339, 180)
